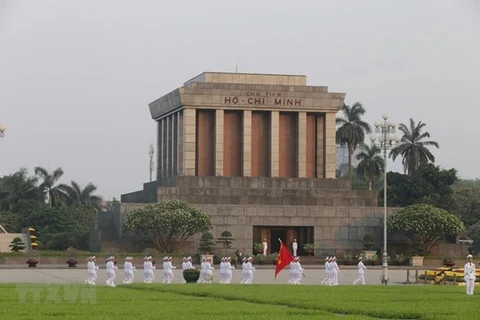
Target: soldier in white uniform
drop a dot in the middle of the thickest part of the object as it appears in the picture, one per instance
(469, 275)
(189, 263)
(222, 270)
(229, 269)
(265, 247)
(335, 269)
(299, 271)
(327, 271)
(361, 272)
(110, 266)
(244, 270)
(184, 267)
(295, 247)
(201, 279)
(150, 268)
(249, 269)
(146, 273)
(209, 270)
(128, 271)
(292, 271)
(170, 267)
(165, 270)
(91, 271)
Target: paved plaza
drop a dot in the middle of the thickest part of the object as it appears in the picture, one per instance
(262, 276)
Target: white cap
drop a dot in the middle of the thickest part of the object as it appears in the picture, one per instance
(469, 256)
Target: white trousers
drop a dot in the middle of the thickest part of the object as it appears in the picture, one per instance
(361, 279)
(248, 277)
(327, 277)
(229, 276)
(110, 278)
(92, 276)
(470, 285)
(128, 277)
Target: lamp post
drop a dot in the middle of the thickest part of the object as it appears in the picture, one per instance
(2, 130)
(386, 140)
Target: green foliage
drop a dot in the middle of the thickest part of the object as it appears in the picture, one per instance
(412, 148)
(259, 259)
(473, 233)
(257, 246)
(347, 256)
(399, 258)
(351, 129)
(206, 243)
(308, 246)
(429, 184)
(368, 241)
(467, 204)
(17, 245)
(425, 223)
(371, 163)
(226, 239)
(166, 223)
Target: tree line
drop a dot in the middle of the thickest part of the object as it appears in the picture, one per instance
(61, 213)
(422, 182)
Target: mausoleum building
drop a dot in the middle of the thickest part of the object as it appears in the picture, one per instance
(257, 153)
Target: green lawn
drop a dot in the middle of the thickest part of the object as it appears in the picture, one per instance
(215, 301)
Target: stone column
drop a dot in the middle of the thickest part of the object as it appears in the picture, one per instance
(274, 143)
(219, 114)
(302, 145)
(330, 146)
(189, 125)
(320, 147)
(247, 143)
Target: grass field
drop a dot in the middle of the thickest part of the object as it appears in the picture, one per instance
(195, 301)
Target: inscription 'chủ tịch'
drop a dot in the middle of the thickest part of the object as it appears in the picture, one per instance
(262, 98)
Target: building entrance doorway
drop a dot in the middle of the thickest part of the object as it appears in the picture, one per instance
(287, 234)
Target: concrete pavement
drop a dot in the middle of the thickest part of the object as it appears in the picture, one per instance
(265, 275)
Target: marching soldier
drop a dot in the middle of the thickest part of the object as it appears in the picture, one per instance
(361, 272)
(327, 271)
(229, 269)
(244, 270)
(249, 269)
(110, 266)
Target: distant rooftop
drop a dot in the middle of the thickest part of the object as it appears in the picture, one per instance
(249, 78)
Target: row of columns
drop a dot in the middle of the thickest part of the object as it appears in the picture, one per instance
(325, 132)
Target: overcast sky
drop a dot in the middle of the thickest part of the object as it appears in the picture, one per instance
(76, 76)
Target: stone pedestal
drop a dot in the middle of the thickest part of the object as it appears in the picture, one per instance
(416, 261)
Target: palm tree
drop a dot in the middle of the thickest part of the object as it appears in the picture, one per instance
(413, 150)
(53, 193)
(371, 163)
(16, 188)
(351, 130)
(84, 197)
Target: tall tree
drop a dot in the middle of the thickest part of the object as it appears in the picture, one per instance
(371, 163)
(84, 197)
(351, 130)
(16, 189)
(413, 148)
(52, 191)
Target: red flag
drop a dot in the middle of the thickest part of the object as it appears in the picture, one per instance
(283, 260)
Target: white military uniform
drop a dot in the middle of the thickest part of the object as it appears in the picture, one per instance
(91, 271)
(325, 281)
(244, 270)
(201, 279)
(184, 267)
(128, 269)
(249, 271)
(361, 273)
(469, 276)
(110, 266)
(334, 269)
(229, 269)
(265, 247)
(208, 271)
(146, 273)
(223, 271)
(295, 248)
